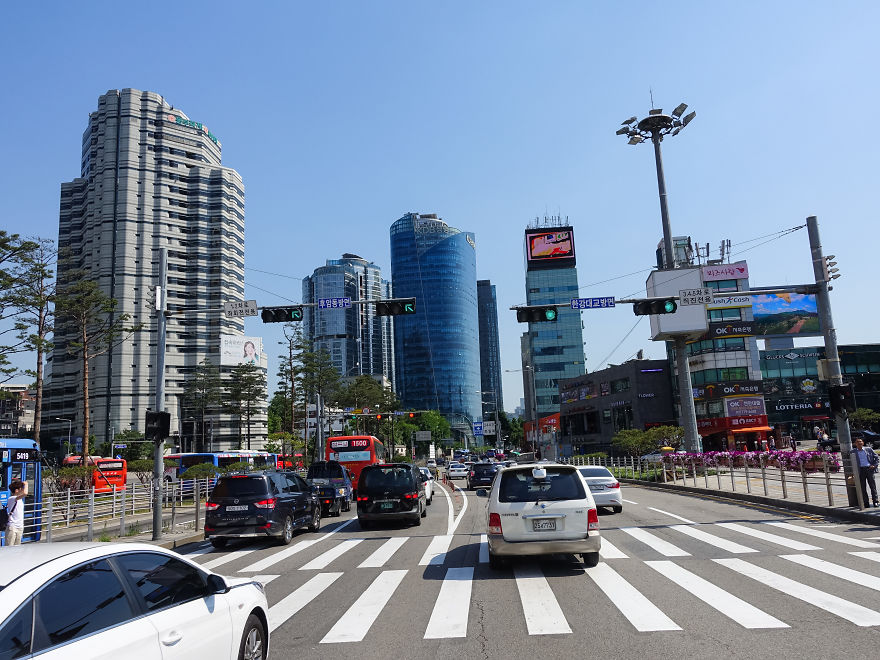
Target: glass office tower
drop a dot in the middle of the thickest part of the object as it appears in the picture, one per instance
(490, 354)
(437, 349)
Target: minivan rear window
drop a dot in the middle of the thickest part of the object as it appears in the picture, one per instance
(386, 479)
(324, 470)
(482, 468)
(240, 487)
(521, 486)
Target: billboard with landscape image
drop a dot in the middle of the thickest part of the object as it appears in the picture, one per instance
(785, 314)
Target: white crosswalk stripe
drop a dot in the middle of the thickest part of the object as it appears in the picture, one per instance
(450, 615)
(609, 551)
(356, 622)
(748, 616)
(830, 536)
(437, 549)
(384, 552)
(294, 602)
(842, 572)
(673, 515)
(322, 560)
(265, 579)
(540, 607)
(873, 556)
(228, 557)
(711, 539)
(767, 536)
(276, 557)
(641, 612)
(484, 549)
(663, 547)
(861, 616)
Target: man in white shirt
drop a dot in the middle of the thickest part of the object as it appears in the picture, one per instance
(15, 509)
(868, 461)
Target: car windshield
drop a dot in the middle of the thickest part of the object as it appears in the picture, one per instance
(595, 472)
(386, 479)
(559, 484)
(240, 487)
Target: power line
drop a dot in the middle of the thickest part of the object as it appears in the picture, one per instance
(606, 358)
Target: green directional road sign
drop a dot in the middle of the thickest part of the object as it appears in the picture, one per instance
(296, 314)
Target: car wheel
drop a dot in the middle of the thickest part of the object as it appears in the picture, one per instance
(287, 531)
(496, 563)
(417, 521)
(253, 640)
(617, 509)
(590, 559)
(315, 525)
(425, 511)
(430, 499)
(219, 542)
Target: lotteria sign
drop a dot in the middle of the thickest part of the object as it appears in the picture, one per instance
(192, 124)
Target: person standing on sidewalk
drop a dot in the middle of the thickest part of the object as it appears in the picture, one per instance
(868, 461)
(15, 508)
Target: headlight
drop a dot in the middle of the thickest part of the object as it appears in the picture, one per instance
(341, 491)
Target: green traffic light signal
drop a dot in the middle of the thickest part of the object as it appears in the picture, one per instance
(550, 314)
(669, 306)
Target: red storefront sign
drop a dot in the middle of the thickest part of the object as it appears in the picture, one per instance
(720, 424)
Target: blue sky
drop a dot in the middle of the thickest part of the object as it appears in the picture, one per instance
(342, 116)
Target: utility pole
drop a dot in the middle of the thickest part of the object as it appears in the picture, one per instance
(158, 450)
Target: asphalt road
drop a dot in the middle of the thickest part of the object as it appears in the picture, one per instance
(681, 576)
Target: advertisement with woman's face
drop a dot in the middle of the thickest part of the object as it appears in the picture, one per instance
(241, 350)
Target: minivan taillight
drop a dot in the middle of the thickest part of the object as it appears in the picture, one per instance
(495, 524)
(614, 485)
(363, 498)
(411, 496)
(593, 520)
(211, 506)
(266, 504)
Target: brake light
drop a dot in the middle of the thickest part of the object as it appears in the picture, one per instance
(592, 520)
(266, 504)
(210, 506)
(472, 473)
(411, 496)
(495, 524)
(363, 498)
(326, 501)
(614, 485)
(209, 529)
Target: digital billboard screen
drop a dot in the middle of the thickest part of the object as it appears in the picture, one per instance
(785, 314)
(550, 248)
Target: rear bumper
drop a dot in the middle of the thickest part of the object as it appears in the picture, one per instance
(608, 498)
(243, 531)
(499, 546)
(391, 515)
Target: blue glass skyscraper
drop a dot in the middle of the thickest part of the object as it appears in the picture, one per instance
(490, 353)
(437, 349)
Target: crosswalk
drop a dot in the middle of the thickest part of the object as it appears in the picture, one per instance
(732, 569)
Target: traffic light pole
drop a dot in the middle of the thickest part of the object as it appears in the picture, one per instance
(158, 450)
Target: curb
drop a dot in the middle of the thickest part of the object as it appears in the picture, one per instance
(173, 544)
(804, 507)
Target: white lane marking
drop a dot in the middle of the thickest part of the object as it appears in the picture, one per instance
(609, 551)
(641, 612)
(449, 508)
(322, 560)
(294, 602)
(663, 547)
(200, 549)
(437, 549)
(859, 543)
(540, 607)
(873, 556)
(836, 570)
(484, 549)
(767, 536)
(355, 623)
(746, 615)
(228, 557)
(281, 555)
(265, 579)
(861, 616)
(460, 515)
(873, 538)
(629, 501)
(672, 515)
(450, 615)
(711, 539)
(384, 552)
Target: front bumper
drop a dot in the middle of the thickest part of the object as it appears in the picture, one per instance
(499, 546)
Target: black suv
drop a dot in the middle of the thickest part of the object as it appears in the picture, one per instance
(259, 504)
(481, 475)
(391, 491)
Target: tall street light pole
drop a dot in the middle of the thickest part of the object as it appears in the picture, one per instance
(69, 427)
(655, 127)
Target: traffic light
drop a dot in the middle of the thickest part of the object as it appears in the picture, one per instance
(651, 307)
(536, 313)
(157, 426)
(842, 398)
(411, 415)
(395, 307)
(379, 417)
(281, 314)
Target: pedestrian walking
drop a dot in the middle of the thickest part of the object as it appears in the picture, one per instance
(868, 462)
(15, 509)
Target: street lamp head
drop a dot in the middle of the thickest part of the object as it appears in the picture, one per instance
(687, 118)
(628, 121)
(622, 131)
(679, 109)
(656, 125)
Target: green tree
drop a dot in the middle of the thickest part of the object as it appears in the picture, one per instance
(14, 252)
(244, 393)
(89, 325)
(863, 418)
(436, 423)
(511, 429)
(202, 393)
(633, 442)
(319, 380)
(665, 436)
(136, 447)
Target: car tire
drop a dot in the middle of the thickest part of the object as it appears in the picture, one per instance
(219, 542)
(617, 509)
(315, 525)
(286, 531)
(429, 500)
(417, 521)
(496, 563)
(591, 559)
(425, 511)
(253, 640)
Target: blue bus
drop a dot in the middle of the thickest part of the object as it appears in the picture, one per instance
(20, 461)
(177, 464)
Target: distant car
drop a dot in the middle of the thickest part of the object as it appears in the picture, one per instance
(870, 438)
(481, 475)
(509, 463)
(391, 491)
(539, 510)
(429, 485)
(331, 482)
(260, 504)
(457, 471)
(125, 600)
(431, 463)
(653, 457)
(604, 487)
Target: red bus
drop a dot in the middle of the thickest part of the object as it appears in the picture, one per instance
(108, 472)
(355, 452)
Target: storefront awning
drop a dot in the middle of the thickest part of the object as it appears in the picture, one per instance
(752, 429)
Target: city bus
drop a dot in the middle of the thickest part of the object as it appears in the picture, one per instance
(20, 460)
(108, 472)
(177, 464)
(355, 452)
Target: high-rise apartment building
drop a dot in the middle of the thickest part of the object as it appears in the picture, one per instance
(490, 353)
(150, 178)
(437, 349)
(358, 341)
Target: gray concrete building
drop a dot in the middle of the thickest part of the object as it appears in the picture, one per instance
(150, 178)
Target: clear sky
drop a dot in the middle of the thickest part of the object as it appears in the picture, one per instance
(342, 116)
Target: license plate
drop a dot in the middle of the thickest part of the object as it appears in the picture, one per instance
(240, 507)
(544, 525)
(597, 487)
(386, 505)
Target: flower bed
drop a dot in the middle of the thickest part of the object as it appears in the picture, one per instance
(812, 461)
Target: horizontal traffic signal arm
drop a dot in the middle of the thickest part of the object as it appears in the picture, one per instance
(536, 313)
(283, 314)
(293, 313)
(395, 306)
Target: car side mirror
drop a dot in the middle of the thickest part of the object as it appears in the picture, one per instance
(216, 584)
(482, 492)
